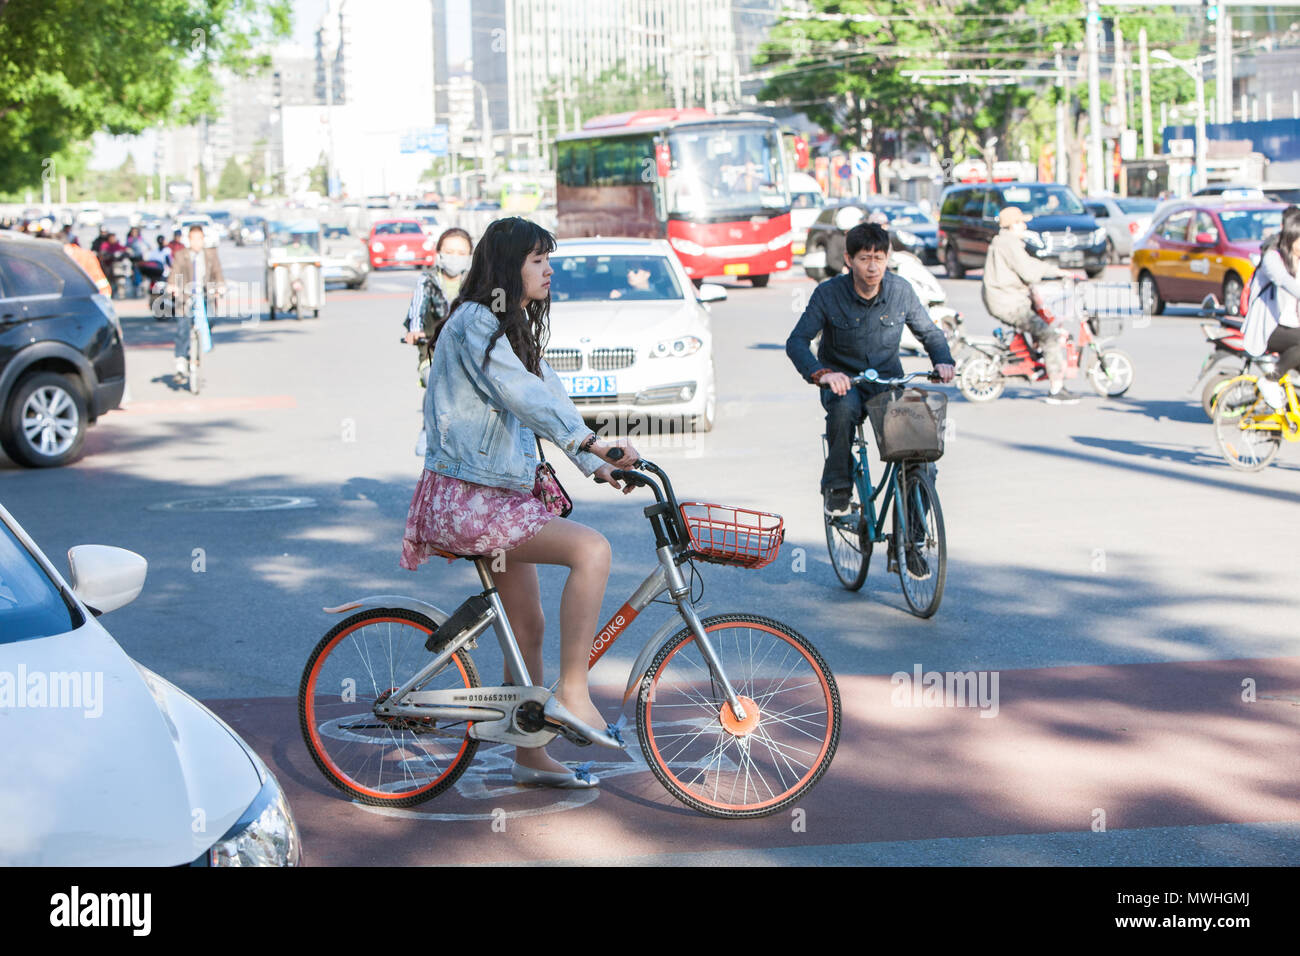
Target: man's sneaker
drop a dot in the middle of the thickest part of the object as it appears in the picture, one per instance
(1271, 392)
(836, 500)
(1063, 397)
(182, 365)
(916, 563)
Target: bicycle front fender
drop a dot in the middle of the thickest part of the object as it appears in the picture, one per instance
(434, 614)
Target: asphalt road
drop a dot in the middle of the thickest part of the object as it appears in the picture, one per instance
(1122, 580)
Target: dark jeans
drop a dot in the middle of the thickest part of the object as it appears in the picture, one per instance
(1287, 342)
(843, 414)
(183, 322)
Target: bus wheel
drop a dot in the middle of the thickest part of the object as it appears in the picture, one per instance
(759, 281)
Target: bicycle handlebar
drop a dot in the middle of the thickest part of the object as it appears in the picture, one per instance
(872, 376)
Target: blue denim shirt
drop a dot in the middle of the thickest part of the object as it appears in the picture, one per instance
(858, 334)
(481, 424)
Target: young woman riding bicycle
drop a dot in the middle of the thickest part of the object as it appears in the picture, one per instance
(490, 395)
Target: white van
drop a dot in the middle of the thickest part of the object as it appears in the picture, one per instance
(806, 201)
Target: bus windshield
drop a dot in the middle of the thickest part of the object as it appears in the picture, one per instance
(725, 169)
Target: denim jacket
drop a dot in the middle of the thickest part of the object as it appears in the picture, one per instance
(481, 424)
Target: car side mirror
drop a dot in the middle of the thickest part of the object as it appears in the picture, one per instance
(106, 578)
(711, 292)
(1206, 238)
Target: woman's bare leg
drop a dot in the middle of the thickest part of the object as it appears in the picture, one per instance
(520, 594)
(587, 555)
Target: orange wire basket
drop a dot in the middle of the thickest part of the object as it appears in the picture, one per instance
(722, 534)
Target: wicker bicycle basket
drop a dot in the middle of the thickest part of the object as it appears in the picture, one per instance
(909, 423)
(722, 534)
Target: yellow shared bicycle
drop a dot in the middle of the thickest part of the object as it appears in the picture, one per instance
(1248, 429)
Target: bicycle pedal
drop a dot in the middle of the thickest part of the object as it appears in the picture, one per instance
(568, 733)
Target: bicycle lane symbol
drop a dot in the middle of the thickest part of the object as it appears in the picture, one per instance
(488, 778)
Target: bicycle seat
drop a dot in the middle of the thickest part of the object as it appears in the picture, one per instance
(452, 557)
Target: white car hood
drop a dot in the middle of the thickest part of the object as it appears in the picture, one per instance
(615, 323)
(155, 779)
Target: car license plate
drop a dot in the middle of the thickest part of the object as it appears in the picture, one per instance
(590, 384)
(736, 269)
(405, 253)
(1074, 258)
(796, 249)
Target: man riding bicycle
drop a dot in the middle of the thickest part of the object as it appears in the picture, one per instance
(859, 316)
(1009, 271)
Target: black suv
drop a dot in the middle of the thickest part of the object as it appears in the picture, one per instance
(62, 362)
(1060, 229)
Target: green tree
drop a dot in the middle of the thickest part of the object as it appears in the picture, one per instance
(235, 183)
(318, 177)
(70, 68)
(613, 91)
(849, 72)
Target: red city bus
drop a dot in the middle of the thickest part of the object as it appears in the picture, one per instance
(714, 186)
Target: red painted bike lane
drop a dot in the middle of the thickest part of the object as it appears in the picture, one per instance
(1049, 750)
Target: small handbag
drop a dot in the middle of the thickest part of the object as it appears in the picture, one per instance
(548, 490)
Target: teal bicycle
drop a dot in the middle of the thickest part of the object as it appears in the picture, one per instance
(909, 429)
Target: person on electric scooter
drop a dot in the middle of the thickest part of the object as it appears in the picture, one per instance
(1009, 272)
(859, 315)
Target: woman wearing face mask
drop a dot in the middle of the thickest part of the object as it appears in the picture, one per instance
(437, 289)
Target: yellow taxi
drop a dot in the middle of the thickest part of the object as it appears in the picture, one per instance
(1202, 247)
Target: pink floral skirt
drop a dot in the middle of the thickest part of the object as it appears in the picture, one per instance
(461, 517)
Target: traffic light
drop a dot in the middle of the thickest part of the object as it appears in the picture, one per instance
(1211, 11)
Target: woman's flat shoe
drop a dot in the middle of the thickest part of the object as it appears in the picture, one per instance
(609, 737)
(580, 778)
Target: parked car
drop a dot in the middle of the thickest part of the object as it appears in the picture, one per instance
(62, 361)
(1124, 219)
(806, 202)
(1282, 192)
(1060, 228)
(630, 334)
(1201, 247)
(211, 233)
(399, 242)
(344, 257)
(429, 223)
(223, 219)
(89, 214)
(910, 230)
(1229, 191)
(252, 230)
(112, 765)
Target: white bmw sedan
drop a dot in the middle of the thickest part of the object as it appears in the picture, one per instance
(630, 339)
(106, 763)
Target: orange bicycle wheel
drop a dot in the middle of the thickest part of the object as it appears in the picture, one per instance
(716, 762)
(392, 762)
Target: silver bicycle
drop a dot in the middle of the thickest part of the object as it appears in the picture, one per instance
(737, 714)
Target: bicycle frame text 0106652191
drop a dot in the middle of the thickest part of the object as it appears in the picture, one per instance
(737, 714)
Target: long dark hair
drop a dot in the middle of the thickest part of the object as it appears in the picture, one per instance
(495, 281)
(1290, 233)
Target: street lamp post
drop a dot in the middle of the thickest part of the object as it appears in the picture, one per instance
(1196, 71)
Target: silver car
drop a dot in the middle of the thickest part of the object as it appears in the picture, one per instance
(346, 259)
(1125, 219)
